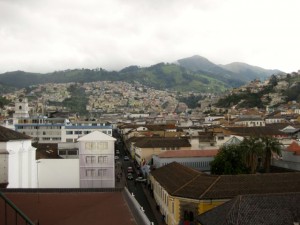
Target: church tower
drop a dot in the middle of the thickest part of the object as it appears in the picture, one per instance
(21, 109)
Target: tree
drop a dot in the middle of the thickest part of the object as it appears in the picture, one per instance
(270, 145)
(3, 102)
(252, 151)
(273, 81)
(229, 160)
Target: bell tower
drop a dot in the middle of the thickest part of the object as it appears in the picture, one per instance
(21, 109)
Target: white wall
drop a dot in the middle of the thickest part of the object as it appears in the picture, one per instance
(199, 163)
(58, 173)
(21, 164)
(3, 168)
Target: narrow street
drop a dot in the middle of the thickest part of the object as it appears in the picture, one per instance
(137, 188)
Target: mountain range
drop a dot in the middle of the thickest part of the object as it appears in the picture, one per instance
(195, 73)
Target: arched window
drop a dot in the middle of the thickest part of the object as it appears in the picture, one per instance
(20, 107)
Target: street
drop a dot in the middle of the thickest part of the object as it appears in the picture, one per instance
(134, 187)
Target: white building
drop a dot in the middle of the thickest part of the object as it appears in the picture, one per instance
(21, 109)
(97, 160)
(250, 122)
(55, 130)
(17, 160)
(197, 159)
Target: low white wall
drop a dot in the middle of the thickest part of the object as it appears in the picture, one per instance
(3, 168)
(58, 173)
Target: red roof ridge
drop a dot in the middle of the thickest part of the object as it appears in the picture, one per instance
(189, 153)
(293, 147)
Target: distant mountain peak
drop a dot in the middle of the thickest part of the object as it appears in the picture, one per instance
(196, 63)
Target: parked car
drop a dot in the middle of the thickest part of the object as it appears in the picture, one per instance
(129, 169)
(141, 180)
(129, 176)
(126, 158)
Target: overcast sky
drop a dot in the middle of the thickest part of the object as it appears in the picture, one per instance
(49, 35)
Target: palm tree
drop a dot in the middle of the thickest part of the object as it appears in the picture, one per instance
(229, 161)
(271, 146)
(252, 151)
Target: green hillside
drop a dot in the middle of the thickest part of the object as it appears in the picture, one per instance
(160, 76)
(190, 74)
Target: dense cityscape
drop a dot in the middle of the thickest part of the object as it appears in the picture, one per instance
(149, 112)
(175, 164)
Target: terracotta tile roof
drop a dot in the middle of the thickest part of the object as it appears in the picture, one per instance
(185, 182)
(73, 208)
(255, 131)
(188, 153)
(229, 186)
(293, 147)
(162, 142)
(10, 135)
(268, 209)
(174, 176)
(151, 127)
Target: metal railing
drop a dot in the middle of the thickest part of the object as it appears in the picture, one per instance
(14, 214)
(59, 190)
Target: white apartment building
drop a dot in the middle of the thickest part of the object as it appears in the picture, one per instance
(55, 130)
(97, 160)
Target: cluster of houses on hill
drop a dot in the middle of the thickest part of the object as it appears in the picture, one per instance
(40, 152)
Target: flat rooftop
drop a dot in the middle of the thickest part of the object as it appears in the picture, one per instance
(67, 208)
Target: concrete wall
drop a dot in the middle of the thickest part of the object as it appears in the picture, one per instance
(289, 161)
(58, 173)
(3, 168)
(21, 164)
(199, 163)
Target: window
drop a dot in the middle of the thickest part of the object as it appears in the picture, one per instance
(46, 138)
(69, 140)
(102, 159)
(221, 138)
(56, 139)
(88, 145)
(102, 145)
(102, 172)
(104, 132)
(109, 132)
(96, 145)
(72, 152)
(90, 159)
(163, 148)
(62, 152)
(90, 172)
(68, 132)
(44, 132)
(78, 132)
(173, 207)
